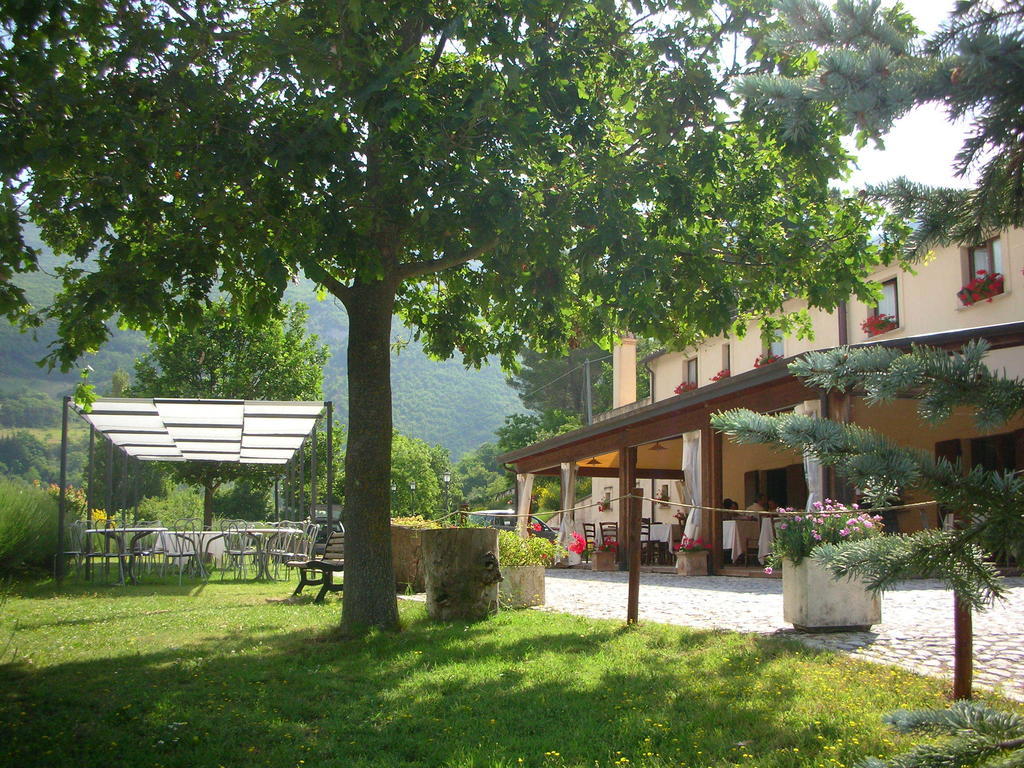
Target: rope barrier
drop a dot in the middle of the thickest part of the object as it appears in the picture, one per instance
(769, 513)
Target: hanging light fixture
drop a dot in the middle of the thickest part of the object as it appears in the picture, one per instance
(658, 446)
(593, 461)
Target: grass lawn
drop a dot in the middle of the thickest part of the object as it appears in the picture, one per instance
(214, 675)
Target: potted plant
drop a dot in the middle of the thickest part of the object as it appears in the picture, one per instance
(604, 557)
(725, 373)
(767, 358)
(686, 386)
(881, 323)
(691, 557)
(984, 286)
(811, 599)
(522, 563)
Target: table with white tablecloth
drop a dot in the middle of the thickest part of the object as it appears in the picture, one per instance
(736, 534)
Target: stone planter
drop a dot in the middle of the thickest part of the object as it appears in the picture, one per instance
(604, 561)
(407, 554)
(692, 563)
(813, 602)
(460, 572)
(522, 586)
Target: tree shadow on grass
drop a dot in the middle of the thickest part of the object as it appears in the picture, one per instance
(485, 694)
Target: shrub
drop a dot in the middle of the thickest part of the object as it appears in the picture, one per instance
(536, 550)
(28, 526)
(415, 521)
(180, 502)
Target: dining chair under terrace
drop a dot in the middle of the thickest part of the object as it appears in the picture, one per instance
(144, 548)
(589, 537)
(609, 531)
(108, 547)
(238, 547)
(281, 546)
(181, 547)
(74, 542)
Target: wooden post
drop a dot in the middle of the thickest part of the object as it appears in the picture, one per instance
(963, 649)
(711, 485)
(635, 506)
(627, 479)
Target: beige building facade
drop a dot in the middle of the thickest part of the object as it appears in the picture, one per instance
(644, 443)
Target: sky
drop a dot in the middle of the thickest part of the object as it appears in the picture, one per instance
(922, 144)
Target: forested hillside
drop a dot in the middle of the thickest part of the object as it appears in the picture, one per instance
(439, 402)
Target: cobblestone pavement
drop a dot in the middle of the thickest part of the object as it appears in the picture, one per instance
(916, 630)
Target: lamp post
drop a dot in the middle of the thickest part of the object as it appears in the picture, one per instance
(412, 497)
(447, 477)
(394, 493)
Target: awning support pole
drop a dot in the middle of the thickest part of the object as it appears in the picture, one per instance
(62, 505)
(330, 464)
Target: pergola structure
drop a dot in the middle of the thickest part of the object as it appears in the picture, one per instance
(204, 430)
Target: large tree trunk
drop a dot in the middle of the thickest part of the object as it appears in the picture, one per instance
(369, 595)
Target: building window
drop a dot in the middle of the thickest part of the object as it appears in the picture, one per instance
(987, 257)
(775, 348)
(982, 272)
(889, 303)
(691, 371)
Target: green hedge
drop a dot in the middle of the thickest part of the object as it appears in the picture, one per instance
(28, 526)
(514, 550)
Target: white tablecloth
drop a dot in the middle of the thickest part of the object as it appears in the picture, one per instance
(661, 532)
(766, 540)
(735, 534)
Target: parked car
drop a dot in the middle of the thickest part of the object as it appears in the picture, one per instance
(322, 534)
(505, 520)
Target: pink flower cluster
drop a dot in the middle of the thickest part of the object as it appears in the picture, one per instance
(827, 522)
(579, 544)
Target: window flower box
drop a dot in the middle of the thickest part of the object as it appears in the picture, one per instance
(983, 287)
(725, 373)
(686, 386)
(766, 359)
(880, 323)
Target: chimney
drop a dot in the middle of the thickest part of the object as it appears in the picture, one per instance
(624, 371)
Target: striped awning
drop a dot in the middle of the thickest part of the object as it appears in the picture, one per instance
(240, 431)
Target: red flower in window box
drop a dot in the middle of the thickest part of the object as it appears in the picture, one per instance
(983, 287)
(725, 373)
(608, 545)
(766, 359)
(686, 386)
(879, 323)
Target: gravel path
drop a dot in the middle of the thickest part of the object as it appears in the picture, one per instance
(916, 630)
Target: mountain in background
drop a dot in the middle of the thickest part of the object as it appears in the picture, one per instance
(436, 401)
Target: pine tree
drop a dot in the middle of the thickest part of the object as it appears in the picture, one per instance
(866, 67)
(988, 505)
(976, 736)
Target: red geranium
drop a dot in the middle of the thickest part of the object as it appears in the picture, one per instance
(725, 373)
(608, 545)
(579, 544)
(686, 386)
(984, 286)
(766, 359)
(877, 324)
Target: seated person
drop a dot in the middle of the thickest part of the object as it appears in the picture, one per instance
(729, 504)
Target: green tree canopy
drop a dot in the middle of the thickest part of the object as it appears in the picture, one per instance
(501, 176)
(869, 66)
(225, 355)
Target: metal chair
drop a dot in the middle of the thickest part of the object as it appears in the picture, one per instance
(74, 542)
(238, 546)
(182, 547)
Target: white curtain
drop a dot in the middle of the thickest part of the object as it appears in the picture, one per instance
(692, 473)
(812, 467)
(568, 524)
(524, 492)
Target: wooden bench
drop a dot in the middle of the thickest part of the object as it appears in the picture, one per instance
(331, 562)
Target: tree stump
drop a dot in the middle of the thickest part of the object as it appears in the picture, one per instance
(460, 569)
(407, 556)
